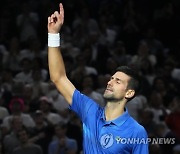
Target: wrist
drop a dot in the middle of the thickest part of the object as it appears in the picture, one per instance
(53, 39)
(53, 32)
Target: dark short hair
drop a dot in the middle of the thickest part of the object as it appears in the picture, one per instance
(134, 82)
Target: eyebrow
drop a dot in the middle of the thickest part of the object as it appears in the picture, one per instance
(118, 79)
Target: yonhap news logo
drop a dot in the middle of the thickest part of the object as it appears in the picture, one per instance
(162, 140)
(106, 141)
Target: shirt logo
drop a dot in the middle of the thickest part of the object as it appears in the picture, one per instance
(118, 139)
(106, 141)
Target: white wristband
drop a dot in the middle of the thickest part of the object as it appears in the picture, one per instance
(53, 40)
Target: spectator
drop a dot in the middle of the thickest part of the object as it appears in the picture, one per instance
(42, 132)
(62, 144)
(88, 88)
(25, 146)
(16, 107)
(25, 75)
(172, 120)
(10, 141)
(46, 107)
(27, 22)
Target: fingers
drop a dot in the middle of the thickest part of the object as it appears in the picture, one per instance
(56, 20)
(61, 9)
(49, 20)
(61, 12)
(52, 18)
(57, 16)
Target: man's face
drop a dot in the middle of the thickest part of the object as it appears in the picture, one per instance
(44, 106)
(16, 107)
(17, 123)
(117, 87)
(23, 137)
(60, 132)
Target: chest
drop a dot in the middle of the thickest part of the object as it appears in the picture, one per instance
(108, 138)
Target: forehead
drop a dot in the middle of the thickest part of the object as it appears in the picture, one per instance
(122, 76)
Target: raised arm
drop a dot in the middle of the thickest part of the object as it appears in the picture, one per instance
(55, 60)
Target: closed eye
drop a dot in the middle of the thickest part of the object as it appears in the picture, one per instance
(116, 79)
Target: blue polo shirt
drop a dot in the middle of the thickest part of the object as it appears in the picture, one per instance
(120, 136)
(54, 146)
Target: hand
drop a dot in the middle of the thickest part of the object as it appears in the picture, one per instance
(56, 20)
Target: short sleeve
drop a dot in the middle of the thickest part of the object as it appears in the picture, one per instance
(142, 146)
(83, 105)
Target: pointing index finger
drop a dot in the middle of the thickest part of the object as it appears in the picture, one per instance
(61, 11)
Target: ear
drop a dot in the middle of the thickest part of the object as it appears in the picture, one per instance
(129, 94)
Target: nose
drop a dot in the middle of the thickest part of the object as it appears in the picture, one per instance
(109, 82)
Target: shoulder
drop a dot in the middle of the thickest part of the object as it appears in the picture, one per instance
(82, 99)
(71, 141)
(84, 106)
(26, 117)
(53, 143)
(3, 109)
(137, 129)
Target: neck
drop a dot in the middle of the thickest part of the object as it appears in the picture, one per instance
(114, 110)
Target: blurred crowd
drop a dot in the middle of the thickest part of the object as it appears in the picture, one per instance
(97, 37)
